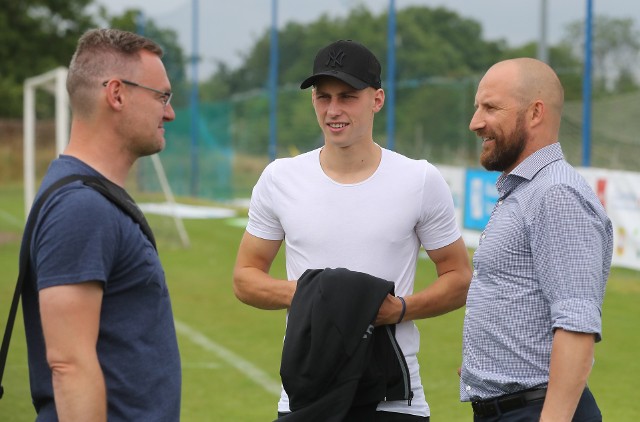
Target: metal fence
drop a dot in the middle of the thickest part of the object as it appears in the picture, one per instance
(230, 149)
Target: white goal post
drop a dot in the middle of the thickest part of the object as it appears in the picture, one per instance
(54, 82)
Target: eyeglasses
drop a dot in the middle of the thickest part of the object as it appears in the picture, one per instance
(165, 96)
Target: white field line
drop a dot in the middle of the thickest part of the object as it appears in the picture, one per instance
(11, 219)
(242, 365)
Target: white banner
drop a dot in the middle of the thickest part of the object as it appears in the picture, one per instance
(619, 192)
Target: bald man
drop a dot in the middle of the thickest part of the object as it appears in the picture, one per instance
(534, 306)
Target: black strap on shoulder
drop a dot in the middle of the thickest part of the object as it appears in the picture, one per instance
(111, 191)
(121, 198)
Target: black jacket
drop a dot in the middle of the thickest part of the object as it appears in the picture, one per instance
(335, 365)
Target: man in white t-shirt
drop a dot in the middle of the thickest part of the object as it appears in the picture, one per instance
(352, 204)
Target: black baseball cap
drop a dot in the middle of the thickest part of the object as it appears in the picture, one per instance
(349, 61)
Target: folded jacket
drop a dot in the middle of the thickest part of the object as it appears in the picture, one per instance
(335, 364)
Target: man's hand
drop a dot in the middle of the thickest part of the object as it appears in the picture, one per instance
(389, 311)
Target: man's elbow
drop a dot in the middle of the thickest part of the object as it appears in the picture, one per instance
(243, 287)
(61, 369)
(238, 288)
(241, 295)
(68, 367)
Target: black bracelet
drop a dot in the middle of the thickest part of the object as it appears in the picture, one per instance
(404, 309)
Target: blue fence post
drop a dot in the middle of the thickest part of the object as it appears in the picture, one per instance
(586, 88)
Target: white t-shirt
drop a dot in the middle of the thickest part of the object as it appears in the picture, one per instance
(375, 226)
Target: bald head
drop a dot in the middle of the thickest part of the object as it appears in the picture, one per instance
(518, 111)
(532, 80)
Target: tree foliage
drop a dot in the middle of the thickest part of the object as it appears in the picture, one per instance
(437, 52)
(430, 42)
(440, 57)
(36, 36)
(39, 35)
(615, 48)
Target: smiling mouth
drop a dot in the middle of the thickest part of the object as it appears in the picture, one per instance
(337, 125)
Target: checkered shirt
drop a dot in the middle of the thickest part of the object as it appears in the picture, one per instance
(541, 264)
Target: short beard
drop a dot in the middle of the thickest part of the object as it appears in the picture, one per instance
(506, 149)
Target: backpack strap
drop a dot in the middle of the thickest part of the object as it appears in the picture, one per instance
(108, 189)
(123, 200)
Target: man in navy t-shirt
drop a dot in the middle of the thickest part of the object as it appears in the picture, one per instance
(100, 330)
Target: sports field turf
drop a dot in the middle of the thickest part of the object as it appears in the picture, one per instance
(231, 352)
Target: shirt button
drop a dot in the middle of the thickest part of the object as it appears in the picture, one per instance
(484, 235)
(475, 273)
(500, 202)
(468, 388)
(466, 312)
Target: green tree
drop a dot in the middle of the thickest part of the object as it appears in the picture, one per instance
(437, 53)
(36, 36)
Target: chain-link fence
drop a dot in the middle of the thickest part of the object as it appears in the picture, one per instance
(225, 158)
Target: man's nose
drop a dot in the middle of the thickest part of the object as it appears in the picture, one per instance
(476, 122)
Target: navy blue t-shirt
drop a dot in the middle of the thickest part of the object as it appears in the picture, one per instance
(82, 236)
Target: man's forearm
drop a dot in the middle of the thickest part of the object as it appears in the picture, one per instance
(571, 362)
(260, 290)
(80, 395)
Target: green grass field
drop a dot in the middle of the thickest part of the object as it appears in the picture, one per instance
(231, 352)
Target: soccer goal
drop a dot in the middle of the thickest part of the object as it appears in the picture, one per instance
(54, 82)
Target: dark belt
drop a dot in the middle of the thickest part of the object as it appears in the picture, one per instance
(504, 404)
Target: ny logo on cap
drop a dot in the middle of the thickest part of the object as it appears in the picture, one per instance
(335, 58)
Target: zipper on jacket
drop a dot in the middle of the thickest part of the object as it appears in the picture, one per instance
(406, 380)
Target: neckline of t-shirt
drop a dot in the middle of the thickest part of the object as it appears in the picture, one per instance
(373, 175)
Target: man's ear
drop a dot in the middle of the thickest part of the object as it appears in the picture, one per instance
(378, 100)
(115, 94)
(537, 111)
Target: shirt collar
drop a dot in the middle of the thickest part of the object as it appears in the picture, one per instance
(529, 167)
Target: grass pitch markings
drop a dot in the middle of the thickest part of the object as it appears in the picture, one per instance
(245, 367)
(11, 219)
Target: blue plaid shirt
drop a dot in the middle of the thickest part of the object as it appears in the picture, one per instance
(542, 263)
